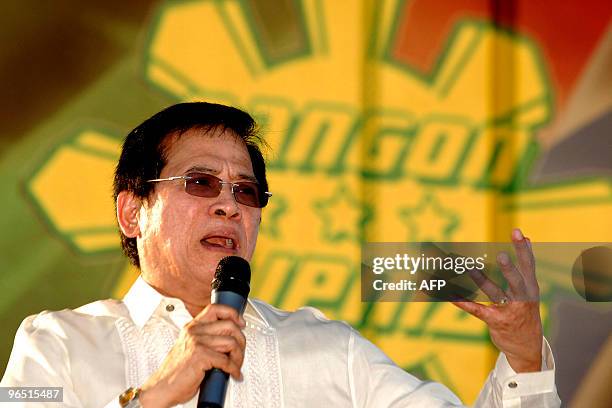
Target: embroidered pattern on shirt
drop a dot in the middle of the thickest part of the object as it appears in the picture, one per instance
(145, 348)
(261, 386)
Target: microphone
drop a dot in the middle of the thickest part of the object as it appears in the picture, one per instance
(230, 287)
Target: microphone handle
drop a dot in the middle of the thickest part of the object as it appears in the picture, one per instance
(214, 385)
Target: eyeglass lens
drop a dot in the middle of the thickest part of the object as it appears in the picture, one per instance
(245, 192)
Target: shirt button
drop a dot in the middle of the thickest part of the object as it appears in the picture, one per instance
(512, 384)
(169, 308)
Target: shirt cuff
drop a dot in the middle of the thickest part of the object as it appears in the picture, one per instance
(516, 385)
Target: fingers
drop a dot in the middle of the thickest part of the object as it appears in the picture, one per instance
(524, 255)
(226, 345)
(215, 312)
(213, 339)
(486, 285)
(512, 275)
(222, 361)
(521, 281)
(221, 336)
(475, 309)
(526, 262)
(226, 356)
(221, 328)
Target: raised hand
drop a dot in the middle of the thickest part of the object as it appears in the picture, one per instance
(513, 319)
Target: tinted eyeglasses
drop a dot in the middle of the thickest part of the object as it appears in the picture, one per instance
(207, 185)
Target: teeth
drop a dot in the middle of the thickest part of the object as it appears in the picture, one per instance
(229, 242)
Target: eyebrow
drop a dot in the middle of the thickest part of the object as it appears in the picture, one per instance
(201, 169)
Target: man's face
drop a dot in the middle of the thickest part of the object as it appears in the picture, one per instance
(183, 237)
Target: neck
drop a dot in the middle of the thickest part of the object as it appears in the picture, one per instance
(194, 309)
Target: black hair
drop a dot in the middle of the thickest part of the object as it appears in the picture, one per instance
(145, 149)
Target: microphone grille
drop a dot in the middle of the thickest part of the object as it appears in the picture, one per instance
(233, 273)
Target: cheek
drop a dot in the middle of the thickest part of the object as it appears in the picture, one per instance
(149, 222)
(252, 230)
(253, 237)
(167, 223)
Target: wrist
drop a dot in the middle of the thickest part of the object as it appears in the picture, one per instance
(523, 365)
(150, 398)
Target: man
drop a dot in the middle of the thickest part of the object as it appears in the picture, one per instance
(189, 188)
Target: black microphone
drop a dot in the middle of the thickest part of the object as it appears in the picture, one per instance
(230, 287)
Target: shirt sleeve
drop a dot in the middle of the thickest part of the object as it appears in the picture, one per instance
(506, 388)
(40, 359)
(375, 381)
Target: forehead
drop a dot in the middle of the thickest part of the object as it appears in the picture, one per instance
(213, 149)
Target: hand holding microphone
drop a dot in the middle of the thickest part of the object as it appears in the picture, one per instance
(212, 340)
(229, 287)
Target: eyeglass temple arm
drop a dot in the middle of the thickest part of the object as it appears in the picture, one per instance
(169, 179)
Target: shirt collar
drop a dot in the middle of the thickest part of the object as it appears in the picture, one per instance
(142, 301)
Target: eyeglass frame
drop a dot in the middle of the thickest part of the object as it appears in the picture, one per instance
(222, 182)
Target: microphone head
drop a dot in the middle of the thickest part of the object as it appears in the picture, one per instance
(233, 274)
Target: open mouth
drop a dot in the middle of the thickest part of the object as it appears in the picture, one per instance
(219, 242)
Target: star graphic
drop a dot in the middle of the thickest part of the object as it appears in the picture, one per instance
(276, 207)
(428, 220)
(343, 216)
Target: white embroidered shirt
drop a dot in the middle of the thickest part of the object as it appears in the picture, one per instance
(298, 359)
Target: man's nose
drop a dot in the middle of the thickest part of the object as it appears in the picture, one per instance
(225, 204)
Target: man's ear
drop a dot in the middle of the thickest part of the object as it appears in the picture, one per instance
(128, 208)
